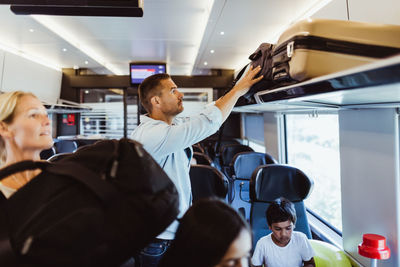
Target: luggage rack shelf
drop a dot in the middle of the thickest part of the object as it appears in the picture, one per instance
(371, 85)
(62, 108)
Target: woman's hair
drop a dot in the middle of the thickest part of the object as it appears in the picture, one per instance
(8, 104)
(205, 233)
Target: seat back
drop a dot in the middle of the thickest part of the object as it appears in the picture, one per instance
(210, 146)
(207, 181)
(244, 164)
(228, 152)
(198, 148)
(270, 182)
(47, 153)
(63, 146)
(202, 159)
(218, 146)
(224, 159)
(57, 157)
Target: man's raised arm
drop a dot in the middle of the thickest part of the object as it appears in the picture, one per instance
(228, 101)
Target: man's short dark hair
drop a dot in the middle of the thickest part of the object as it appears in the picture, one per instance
(281, 210)
(149, 88)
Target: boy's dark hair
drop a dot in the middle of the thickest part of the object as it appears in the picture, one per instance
(280, 210)
(149, 88)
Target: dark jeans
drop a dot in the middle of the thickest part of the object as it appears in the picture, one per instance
(151, 255)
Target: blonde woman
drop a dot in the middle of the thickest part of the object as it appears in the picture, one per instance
(25, 131)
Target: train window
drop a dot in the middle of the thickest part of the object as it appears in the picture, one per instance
(313, 146)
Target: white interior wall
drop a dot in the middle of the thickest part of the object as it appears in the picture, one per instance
(25, 75)
(369, 159)
(382, 11)
(336, 9)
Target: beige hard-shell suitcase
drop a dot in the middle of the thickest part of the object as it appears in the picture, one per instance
(315, 47)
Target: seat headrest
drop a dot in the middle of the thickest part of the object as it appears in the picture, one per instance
(208, 178)
(244, 163)
(229, 151)
(59, 156)
(270, 182)
(202, 159)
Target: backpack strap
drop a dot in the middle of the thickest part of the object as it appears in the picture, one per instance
(79, 173)
(92, 180)
(7, 255)
(22, 166)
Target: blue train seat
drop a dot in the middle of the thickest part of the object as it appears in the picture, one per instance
(47, 153)
(244, 164)
(207, 181)
(228, 152)
(57, 157)
(270, 182)
(63, 146)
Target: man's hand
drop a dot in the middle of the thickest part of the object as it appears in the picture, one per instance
(244, 84)
(226, 102)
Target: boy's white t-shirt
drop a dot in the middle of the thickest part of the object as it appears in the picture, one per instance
(293, 254)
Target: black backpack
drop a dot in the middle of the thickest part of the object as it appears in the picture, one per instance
(97, 207)
(261, 57)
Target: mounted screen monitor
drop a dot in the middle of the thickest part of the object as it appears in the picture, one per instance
(140, 71)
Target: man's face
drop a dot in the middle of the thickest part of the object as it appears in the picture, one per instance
(171, 98)
(282, 232)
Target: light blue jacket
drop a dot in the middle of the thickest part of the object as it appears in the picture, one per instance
(167, 144)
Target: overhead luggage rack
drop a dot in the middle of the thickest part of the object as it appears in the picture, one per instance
(66, 108)
(372, 85)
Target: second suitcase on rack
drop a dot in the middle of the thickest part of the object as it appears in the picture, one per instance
(311, 48)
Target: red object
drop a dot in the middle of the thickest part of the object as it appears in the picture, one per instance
(374, 247)
(71, 119)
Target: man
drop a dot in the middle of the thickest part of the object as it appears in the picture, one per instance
(283, 247)
(169, 140)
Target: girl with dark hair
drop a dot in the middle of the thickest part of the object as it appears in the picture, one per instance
(210, 234)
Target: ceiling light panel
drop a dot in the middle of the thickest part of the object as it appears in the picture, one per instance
(259, 21)
(41, 46)
(169, 31)
(54, 24)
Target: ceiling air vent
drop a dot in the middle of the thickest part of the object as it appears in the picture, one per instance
(104, 8)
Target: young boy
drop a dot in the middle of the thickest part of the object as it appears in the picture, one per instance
(283, 247)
